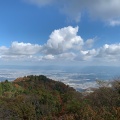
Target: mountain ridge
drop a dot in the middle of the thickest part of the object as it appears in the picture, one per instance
(40, 98)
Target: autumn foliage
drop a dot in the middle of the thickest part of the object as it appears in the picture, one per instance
(40, 98)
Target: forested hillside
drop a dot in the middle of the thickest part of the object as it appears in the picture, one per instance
(40, 98)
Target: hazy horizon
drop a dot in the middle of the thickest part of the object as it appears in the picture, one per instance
(78, 78)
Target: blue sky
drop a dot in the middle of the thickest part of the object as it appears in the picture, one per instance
(77, 32)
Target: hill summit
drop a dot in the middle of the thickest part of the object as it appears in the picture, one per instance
(40, 98)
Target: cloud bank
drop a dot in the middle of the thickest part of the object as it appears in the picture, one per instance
(105, 10)
(63, 45)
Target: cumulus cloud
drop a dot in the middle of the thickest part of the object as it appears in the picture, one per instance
(85, 55)
(18, 51)
(63, 40)
(109, 52)
(63, 45)
(106, 53)
(23, 48)
(106, 10)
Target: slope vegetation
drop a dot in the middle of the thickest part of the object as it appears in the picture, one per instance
(40, 98)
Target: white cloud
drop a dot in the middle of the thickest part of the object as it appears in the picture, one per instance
(109, 52)
(63, 40)
(114, 22)
(23, 48)
(48, 57)
(13, 57)
(105, 10)
(63, 45)
(67, 56)
(19, 51)
(3, 50)
(85, 55)
(105, 54)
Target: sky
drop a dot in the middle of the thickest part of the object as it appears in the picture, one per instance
(66, 32)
